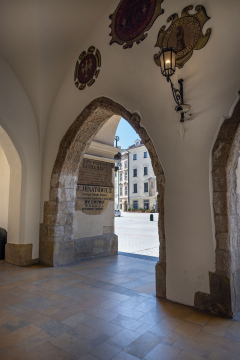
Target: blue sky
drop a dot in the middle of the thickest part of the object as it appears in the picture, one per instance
(126, 134)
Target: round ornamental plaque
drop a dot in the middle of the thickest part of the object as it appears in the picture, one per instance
(132, 19)
(87, 68)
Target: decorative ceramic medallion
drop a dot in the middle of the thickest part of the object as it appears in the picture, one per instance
(132, 19)
(184, 34)
(87, 68)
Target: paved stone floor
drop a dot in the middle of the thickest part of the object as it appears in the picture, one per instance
(137, 234)
(103, 309)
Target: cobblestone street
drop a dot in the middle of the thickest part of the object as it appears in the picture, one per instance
(137, 234)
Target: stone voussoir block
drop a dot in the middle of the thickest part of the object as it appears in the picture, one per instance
(55, 219)
(220, 154)
(69, 168)
(223, 261)
(227, 241)
(54, 231)
(221, 223)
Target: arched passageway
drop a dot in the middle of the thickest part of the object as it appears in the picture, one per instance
(224, 297)
(57, 246)
(10, 188)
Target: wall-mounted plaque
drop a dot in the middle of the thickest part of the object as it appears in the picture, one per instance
(131, 20)
(184, 34)
(87, 68)
(95, 188)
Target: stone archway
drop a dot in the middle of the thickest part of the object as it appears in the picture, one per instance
(56, 234)
(224, 297)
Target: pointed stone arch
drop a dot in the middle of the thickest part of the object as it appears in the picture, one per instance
(224, 297)
(56, 235)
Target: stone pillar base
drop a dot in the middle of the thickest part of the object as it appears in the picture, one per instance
(66, 253)
(223, 299)
(160, 272)
(19, 254)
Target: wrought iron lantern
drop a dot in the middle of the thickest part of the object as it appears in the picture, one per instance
(167, 57)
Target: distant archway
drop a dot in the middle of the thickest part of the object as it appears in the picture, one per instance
(57, 244)
(224, 297)
(15, 180)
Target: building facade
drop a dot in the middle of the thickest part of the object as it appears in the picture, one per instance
(135, 181)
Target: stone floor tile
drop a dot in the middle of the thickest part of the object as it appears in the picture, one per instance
(123, 338)
(143, 345)
(143, 328)
(171, 338)
(223, 355)
(109, 304)
(16, 324)
(79, 348)
(100, 313)
(63, 340)
(198, 318)
(126, 322)
(194, 346)
(152, 317)
(216, 342)
(165, 326)
(80, 330)
(105, 351)
(146, 288)
(3, 331)
(88, 357)
(49, 311)
(187, 329)
(163, 352)
(55, 328)
(217, 325)
(48, 351)
(78, 319)
(125, 311)
(14, 353)
(15, 336)
(35, 317)
(105, 327)
(124, 356)
(33, 341)
(184, 355)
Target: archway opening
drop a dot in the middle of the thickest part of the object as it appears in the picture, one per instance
(10, 189)
(57, 243)
(136, 222)
(224, 297)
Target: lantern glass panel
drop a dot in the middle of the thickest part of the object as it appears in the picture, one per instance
(168, 62)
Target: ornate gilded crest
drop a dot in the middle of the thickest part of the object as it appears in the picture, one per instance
(87, 68)
(184, 34)
(132, 19)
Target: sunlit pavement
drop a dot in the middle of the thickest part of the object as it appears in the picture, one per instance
(137, 234)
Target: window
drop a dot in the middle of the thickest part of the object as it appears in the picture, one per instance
(126, 190)
(121, 206)
(146, 187)
(135, 188)
(125, 165)
(120, 191)
(134, 156)
(125, 175)
(146, 204)
(134, 172)
(120, 166)
(135, 204)
(145, 170)
(121, 177)
(145, 154)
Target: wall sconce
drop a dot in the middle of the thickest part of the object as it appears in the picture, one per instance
(167, 57)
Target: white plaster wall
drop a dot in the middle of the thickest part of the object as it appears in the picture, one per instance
(4, 189)
(131, 78)
(18, 122)
(93, 225)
